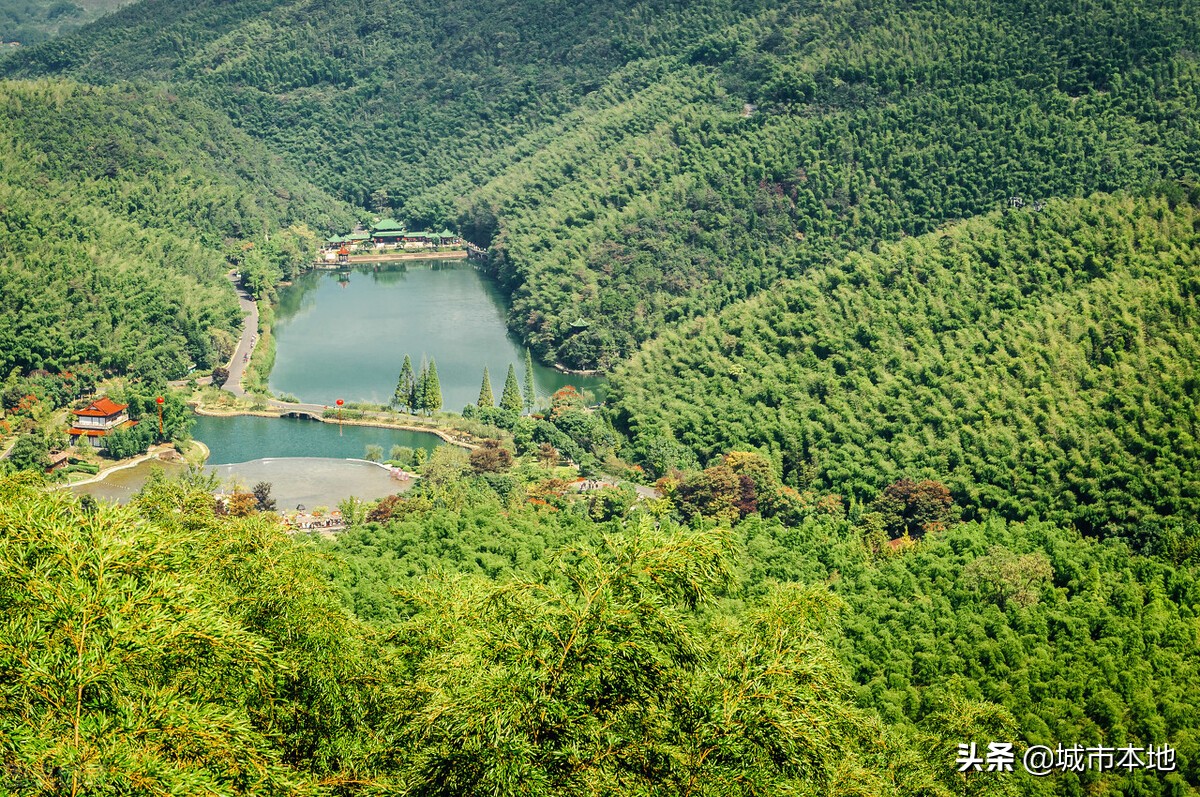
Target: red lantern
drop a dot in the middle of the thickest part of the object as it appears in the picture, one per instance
(339, 402)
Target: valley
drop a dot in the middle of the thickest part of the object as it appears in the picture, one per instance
(802, 398)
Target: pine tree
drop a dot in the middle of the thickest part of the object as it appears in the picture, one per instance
(418, 403)
(433, 389)
(530, 393)
(404, 387)
(485, 391)
(511, 398)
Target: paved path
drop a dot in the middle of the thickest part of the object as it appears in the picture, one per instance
(237, 365)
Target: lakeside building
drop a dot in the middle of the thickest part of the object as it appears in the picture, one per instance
(99, 419)
(391, 234)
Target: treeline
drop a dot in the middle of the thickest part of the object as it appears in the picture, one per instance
(503, 616)
(501, 626)
(122, 210)
(1041, 363)
(513, 635)
(233, 670)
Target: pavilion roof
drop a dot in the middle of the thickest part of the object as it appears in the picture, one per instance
(386, 224)
(100, 408)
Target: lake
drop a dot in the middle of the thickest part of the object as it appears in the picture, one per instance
(295, 481)
(344, 334)
(310, 482)
(241, 438)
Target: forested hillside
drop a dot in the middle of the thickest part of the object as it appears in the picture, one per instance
(504, 645)
(180, 652)
(903, 302)
(635, 164)
(116, 209)
(984, 631)
(31, 21)
(1039, 362)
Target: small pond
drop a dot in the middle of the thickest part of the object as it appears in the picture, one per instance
(241, 438)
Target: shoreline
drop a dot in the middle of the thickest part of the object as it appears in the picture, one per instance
(377, 423)
(124, 465)
(454, 254)
(562, 369)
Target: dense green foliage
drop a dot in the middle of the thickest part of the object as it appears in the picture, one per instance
(355, 93)
(32, 21)
(115, 205)
(742, 197)
(1100, 652)
(161, 648)
(1040, 363)
(603, 152)
(984, 631)
(155, 649)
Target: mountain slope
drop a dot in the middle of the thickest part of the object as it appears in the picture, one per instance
(603, 152)
(31, 21)
(115, 209)
(1041, 363)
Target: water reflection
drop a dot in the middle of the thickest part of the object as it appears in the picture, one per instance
(348, 340)
(241, 438)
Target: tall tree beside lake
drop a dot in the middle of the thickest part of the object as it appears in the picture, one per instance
(530, 391)
(511, 398)
(433, 390)
(418, 401)
(405, 386)
(485, 391)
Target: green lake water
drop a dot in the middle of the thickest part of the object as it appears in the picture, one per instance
(344, 335)
(295, 481)
(242, 438)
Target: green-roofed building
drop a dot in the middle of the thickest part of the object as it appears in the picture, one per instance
(387, 226)
(388, 237)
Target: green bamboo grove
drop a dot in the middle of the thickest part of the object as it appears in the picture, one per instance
(1039, 362)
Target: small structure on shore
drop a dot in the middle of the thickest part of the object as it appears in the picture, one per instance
(387, 234)
(99, 419)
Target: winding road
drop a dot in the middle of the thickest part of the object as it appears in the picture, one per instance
(241, 354)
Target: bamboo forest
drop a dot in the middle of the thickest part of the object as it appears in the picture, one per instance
(838, 430)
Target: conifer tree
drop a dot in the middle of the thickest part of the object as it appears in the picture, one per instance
(485, 391)
(404, 387)
(530, 392)
(511, 398)
(433, 389)
(418, 403)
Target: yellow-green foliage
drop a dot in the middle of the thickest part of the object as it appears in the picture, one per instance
(1037, 362)
(159, 649)
(154, 649)
(114, 209)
